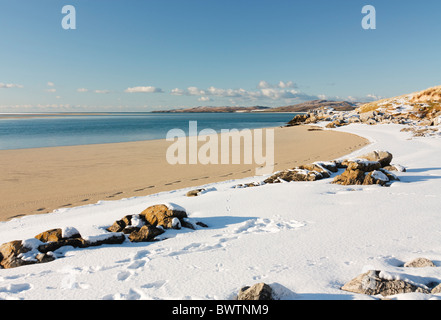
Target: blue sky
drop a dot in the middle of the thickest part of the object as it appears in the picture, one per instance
(159, 54)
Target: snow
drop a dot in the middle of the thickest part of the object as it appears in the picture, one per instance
(304, 239)
(378, 175)
(68, 232)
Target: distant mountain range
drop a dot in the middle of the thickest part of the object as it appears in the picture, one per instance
(302, 107)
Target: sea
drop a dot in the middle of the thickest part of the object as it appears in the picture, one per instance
(24, 131)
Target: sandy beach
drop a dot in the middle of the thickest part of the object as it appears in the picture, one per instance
(36, 181)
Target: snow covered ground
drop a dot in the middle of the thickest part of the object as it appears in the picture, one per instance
(305, 239)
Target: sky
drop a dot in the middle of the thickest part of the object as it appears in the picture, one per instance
(146, 55)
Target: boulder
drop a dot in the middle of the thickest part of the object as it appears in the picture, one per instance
(371, 283)
(9, 254)
(161, 215)
(298, 120)
(53, 235)
(260, 291)
(376, 177)
(111, 238)
(383, 157)
(436, 290)
(52, 246)
(194, 193)
(364, 165)
(120, 225)
(145, 234)
(419, 263)
(350, 177)
(395, 167)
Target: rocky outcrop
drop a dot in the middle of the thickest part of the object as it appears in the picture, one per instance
(260, 291)
(420, 112)
(368, 169)
(144, 227)
(310, 172)
(298, 120)
(371, 283)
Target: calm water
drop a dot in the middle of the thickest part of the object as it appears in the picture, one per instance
(68, 130)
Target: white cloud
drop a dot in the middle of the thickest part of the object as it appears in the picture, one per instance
(51, 90)
(148, 89)
(265, 91)
(288, 84)
(82, 90)
(204, 99)
(102, 91)
(10, 85)
(264, 85)
(281, 85)
(50, 84)
(178, 92)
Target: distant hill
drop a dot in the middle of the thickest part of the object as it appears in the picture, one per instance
(317, 104)
(215, 109)
(302, 107)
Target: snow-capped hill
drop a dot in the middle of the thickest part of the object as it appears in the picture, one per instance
(424, 104)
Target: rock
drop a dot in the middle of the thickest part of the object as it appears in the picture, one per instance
(145, 234)
(419, 263)
(365, 117)
(350, 177)
(376, 177)
(161, 215)
(53, 235)
(111, 238)
(390, 175)
(260, 291)
(44, 257)
(383, 157)
(52, 246)
(371, 283)
(194, 193)
(120, 225)
(436, 290)
(364, 165)
(395, 167)
(298, 120)
(9, 253)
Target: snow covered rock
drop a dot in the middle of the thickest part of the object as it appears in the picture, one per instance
(162, 215)
(55, 235)
(99, 240)
(260, 291)
(9, 253)
(372, 283)
(120, 225)
(419, 263)
(367, 170)
(383, 157)
(436, 290)
(194, 193)
(145, 234)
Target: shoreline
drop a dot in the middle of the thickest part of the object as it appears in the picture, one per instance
(41, 180)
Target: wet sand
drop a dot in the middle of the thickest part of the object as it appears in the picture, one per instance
(36, 181)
